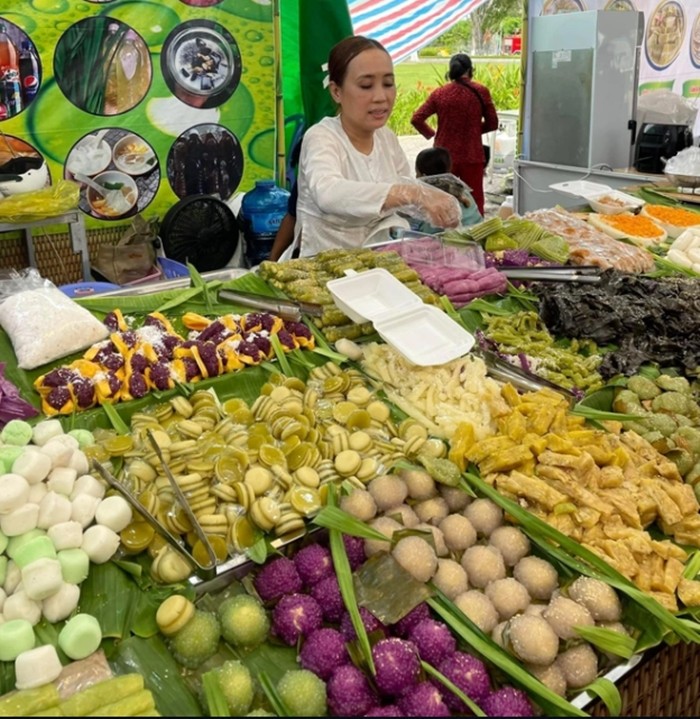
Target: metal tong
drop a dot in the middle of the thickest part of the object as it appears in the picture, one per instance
(205, 572)
(286, 309)
(561, 273)
(504, 371)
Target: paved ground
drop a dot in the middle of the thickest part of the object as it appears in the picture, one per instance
(495, 186)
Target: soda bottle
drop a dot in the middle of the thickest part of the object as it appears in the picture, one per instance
(12, 92)
(9, 58)
(28, 71)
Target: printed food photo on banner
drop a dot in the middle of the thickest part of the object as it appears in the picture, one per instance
(22, 167)
(695, 42)
(118, 171)
(206, 159)
(201, 63)
(554, 7)
(20, 70)
(664, 35)
(119, 60)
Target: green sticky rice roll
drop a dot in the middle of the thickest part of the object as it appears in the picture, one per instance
(80, 636)
(16, 636)
(9, 453)
(75, 565)
(38, 548)
(84, 436)
(16, 432)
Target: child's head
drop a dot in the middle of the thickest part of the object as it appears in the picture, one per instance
(433, 161)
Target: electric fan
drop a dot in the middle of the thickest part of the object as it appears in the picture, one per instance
(201, 230)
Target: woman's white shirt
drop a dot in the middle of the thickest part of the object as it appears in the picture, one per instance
(342, 190)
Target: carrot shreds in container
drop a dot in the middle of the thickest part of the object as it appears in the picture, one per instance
(633, 225)
(673, 215)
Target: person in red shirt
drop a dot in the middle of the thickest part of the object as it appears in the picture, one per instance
(465, 111)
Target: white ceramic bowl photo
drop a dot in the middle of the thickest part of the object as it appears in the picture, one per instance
(89, 157)
(133, 155)
(121, 195)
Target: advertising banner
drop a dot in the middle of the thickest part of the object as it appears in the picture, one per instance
(670, 57)
(143, 102)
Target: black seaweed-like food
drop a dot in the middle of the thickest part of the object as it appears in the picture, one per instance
(643, 318)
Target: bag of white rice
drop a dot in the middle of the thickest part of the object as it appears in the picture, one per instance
(44, 325)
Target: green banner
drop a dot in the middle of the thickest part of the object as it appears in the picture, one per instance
(161, 99)
(310, 28)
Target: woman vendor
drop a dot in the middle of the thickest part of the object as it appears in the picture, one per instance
(353, 174)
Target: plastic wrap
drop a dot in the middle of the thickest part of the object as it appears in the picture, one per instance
(427, 203)
(41, 204)
(42, 323)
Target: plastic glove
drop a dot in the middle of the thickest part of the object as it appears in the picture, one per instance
(437, 207)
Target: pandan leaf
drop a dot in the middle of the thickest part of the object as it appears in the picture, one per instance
(608, 693)
(473, 707)
(273, 696)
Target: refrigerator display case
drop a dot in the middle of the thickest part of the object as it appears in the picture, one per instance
(580, 101)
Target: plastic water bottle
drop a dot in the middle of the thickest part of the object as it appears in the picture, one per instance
(262, 211)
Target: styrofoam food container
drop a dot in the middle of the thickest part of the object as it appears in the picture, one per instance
(423, 334)
(366, 296)
(628, 203)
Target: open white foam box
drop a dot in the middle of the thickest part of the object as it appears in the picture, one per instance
(591, 191)
(423, 334)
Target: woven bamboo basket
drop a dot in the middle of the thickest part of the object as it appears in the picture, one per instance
(665, 683)
(55, 258)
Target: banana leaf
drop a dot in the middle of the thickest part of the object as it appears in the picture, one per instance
(161, 674)
(139, 305)
(123, 603)
(7, 677)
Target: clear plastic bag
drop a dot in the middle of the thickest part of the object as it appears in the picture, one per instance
(50, 201)
(42, 322)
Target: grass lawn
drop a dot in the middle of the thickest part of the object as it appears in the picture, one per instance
(410, 75)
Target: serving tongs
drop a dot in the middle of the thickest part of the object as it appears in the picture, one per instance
(286, 309)
(206, 572)
(504, 371)
(584, 274)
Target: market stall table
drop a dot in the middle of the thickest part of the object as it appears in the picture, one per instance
(76, 229)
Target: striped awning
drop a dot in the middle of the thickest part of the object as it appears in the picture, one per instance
(405, 26)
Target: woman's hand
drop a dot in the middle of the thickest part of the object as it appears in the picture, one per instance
(442, 209)
(438, 207)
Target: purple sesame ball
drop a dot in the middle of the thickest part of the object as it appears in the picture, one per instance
(355, 549)
(372, 624)
(349, 692)
(327, 594)
(468, 674)
(434, 640)
(313, 563)
(507, 702)
(423, 700)
(276, 579)
(296, 616)
(406, 623)
(323, 652)
(388, 710)
(396, 664)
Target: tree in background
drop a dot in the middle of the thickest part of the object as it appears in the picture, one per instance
(477, 32)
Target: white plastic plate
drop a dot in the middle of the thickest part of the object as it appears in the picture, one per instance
(628, 202)
(581, 188)
(367, 296)
(425, 336)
